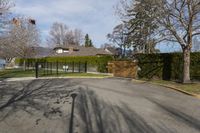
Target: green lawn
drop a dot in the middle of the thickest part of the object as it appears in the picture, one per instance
(13, 73)
(16, 73)
(191, 88)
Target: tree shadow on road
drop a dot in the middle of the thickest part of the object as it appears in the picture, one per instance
(178, 114)
(97, 116)
(34, 96)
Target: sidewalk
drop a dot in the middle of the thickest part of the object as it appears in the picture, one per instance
(69, 77)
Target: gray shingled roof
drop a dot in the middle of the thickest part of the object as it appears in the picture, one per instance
(82, 51)
(43, 52)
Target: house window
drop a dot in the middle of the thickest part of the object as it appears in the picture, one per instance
(59, 51)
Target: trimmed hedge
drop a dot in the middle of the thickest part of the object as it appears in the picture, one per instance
(99, 61)
(167, 66)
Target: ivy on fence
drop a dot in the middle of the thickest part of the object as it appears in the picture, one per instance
(166, 66)
(99, 61)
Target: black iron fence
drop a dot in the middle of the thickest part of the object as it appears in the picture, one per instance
(56, 68)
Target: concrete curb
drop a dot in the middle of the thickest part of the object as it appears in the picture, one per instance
(170, 87)
(70, 77)
(176, 89)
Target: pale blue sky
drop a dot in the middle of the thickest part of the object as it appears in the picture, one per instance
(95, 17)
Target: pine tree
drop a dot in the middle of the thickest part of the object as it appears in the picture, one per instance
(142, 25)
(88, 41)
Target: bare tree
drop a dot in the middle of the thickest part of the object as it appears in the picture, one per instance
(6, 51)
(78, 36)
(60, 34)
(5, 6)
(23, 37)
(180, 22)
(69, 38)
(20, 41)
(57, 34)
(119, 37)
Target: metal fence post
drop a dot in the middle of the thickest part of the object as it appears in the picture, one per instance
(86, 67)
(32, 66)
(57, 68)
(36, 70)
(79, 67)
(65, 66)
(28, 64)
(51, 69)
(73, 66)
(43, 68)
(47, 68)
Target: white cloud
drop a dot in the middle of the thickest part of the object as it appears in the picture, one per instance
(95, 17)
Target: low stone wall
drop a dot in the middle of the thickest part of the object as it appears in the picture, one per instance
(127, 69)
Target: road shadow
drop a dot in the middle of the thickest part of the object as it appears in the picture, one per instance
(97, 116)
(178, 115)
(35, 96)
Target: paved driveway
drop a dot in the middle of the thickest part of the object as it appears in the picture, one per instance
(102, 106)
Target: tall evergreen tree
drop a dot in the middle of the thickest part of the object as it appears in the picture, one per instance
(88, 41)
(142, 25)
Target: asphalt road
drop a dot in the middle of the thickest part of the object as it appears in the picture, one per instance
(102, 106)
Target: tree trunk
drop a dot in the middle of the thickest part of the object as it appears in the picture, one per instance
(124, 52)
(121, 50)
(24, 65)
(186, 66)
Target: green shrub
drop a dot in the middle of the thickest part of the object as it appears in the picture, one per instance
(166, 66)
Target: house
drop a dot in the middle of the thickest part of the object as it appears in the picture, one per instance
(115, 51)
(40, 52)
(73, 50)
(79, 51)
(70, 50)
(67, 51)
